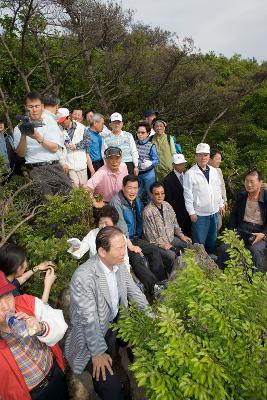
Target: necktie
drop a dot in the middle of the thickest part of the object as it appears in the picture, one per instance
(181, 179)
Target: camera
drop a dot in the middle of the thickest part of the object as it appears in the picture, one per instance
(26, 125)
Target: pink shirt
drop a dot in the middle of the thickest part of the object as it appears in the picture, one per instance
(106, 182)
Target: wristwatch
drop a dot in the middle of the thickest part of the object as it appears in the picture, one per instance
(41, 141)
(35, 269)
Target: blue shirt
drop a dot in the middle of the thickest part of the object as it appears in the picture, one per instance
(206, 172)
(94, 144)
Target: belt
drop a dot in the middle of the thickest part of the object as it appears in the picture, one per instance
(39, 164)
(45, 382)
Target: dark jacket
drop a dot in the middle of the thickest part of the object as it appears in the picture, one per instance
(238, 212)
(174, 194)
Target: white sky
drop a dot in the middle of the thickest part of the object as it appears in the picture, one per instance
(225, 26)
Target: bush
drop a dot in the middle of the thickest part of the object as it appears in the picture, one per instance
(208, 337)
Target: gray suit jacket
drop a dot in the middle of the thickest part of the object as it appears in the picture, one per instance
(91, 313)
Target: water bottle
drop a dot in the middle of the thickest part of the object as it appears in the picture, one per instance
(16, 326)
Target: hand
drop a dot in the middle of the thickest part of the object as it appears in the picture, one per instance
(98, 204)
(44, 265)
(166, 246)
(146, 164)
(32, 325)
(36, 135)
(71, 146)
(100, 363)
(136, 171)
(136, 249)
(259, 237)
(50, 277)
(222, 211)
(186, 239)
(65, 168)
(225, 206)
(193, 217)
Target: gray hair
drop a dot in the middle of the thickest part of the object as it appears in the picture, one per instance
(96, 118)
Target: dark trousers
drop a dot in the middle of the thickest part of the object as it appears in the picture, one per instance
(130, 167)
(245, 230)
(111, 388)
(151, 273)
(169, 256)
(55, 390)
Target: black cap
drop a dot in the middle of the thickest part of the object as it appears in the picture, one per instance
(113, 151)
(148, 113)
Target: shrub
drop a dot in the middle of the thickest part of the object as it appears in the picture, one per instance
(207, 339)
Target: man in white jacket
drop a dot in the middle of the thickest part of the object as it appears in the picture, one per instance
(75, 156)
(203, 199)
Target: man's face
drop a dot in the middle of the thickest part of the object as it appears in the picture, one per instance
(105, 221)
(150, 118)
(77, 115)
(98, 126)
(113, 163)
(252, 184)
(158, 195)
(115, 255)
(7, 305)
(130, 190)
(179, 167)
(159, 128)
(216, 160)
(66, 124)
(35, 109)
(116, 126)
(202, 159)
(2, 126)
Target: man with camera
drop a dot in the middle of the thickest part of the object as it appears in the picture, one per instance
(37, 138)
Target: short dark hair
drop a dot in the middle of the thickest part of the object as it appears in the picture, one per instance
(156, 185)
(214, 151)
(254, 172)
(144, 124)
(109, 212)
(51, 99)
(11, 258)
(87, 111)
(105, 235)
(129, 178)
(33, 95)
(76, 108)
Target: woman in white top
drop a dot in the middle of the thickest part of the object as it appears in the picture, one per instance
(108, 216)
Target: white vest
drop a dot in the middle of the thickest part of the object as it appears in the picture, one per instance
(76, 159)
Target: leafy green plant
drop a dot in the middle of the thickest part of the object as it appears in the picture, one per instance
(207, 339)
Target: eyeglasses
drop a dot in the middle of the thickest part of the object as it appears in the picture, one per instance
(141, 131)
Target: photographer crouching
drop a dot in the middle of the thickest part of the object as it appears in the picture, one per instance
(37, 139)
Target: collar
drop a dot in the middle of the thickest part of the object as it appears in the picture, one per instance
(92, 131)
(178, 174)
(114, 173)
(143, 141)
(206, 169)
(105, 269)
(258, 197)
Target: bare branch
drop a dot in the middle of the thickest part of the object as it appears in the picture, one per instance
(78, 97)
(219, 116)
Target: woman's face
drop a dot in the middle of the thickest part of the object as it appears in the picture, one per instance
(142, 133)
(159, 128)
(21, 269)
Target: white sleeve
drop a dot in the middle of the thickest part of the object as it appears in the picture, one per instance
(188, 193)
(134, 150)
(54, 321)
(16, 136)
(87, 244)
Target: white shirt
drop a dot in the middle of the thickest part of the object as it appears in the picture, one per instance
(152, 132)
(35, 152)
(88, 244)
(178, 174)
(112, 286)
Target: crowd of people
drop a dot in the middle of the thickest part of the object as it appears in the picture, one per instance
(148, 210)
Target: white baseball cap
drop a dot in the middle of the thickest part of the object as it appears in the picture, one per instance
(203, 148)
(178, 159)
(62, 114)
(116, 117)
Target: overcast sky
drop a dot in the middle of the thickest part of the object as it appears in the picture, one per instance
(225, 26)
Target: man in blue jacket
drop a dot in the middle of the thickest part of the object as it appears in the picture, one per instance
(130, 209)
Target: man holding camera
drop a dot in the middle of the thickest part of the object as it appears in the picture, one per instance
(38, 141)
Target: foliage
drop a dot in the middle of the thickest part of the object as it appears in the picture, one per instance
(207, 339)
(45, 234)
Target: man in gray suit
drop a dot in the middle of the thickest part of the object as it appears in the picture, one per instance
(98, 288)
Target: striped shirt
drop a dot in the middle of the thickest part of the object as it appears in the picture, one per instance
(33, 357)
